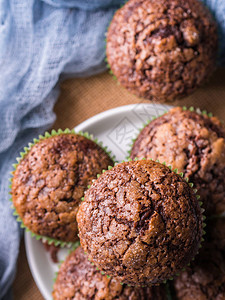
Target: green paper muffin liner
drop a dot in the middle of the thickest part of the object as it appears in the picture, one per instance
(50, 241)
(110, 70)
(59, 266)
(197, 197)
(62, 261)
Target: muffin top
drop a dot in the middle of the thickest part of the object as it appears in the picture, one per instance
(204, 279)
(140, 222)
(78, 279)
(162, 49)
(50, 180)
(195, 145)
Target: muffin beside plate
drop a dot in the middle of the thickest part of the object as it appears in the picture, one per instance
(164, 49)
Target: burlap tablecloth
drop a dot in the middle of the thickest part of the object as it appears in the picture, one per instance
(83, 98)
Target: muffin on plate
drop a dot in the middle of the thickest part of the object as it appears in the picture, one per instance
(204, 279)
(164, 49)
(140, 222)
(194, 143)
(78, 279)
(51, 178)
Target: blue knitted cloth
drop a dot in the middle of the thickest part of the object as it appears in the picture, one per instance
(39, 41)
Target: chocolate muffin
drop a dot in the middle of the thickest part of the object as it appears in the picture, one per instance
(204, 279)
(78, 279)
(195, 145)
(140, 222)
(50, 180)
(162, 50)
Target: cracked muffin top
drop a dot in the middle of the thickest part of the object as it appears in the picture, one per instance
(204, 279)
(50, 180)
(195, 145)
(140, 222)
(78, 279)
(162, 50)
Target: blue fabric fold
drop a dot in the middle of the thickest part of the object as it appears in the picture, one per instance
(85, 4)
(39, 42)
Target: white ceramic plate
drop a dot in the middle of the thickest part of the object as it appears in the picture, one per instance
(115, 128)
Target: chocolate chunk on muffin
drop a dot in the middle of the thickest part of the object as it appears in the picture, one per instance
(204, 279)
(50, 180)
(195, 145)
(164, 49)
(140, 222)
(78, 279)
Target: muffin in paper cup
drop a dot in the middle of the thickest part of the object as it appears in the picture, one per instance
(162, 50)
(50, 179)
(191, 185)
(192, 141)
(79, 279)
(147, 211)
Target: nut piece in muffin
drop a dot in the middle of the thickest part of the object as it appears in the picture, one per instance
(78, 279)
(204, 279)
(140, 222)
(164, 49)
(50, 180)
(195, 145)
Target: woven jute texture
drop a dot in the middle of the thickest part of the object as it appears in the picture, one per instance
(81, 99)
